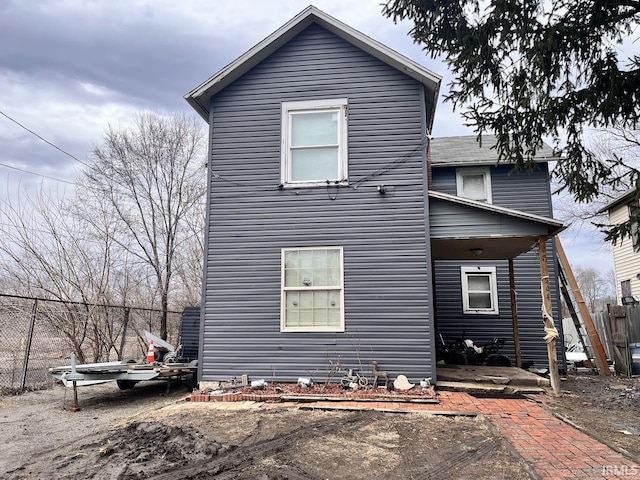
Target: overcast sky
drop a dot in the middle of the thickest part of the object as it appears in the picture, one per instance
(69, 68)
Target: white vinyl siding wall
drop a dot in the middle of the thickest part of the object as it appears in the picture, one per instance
(626, 261)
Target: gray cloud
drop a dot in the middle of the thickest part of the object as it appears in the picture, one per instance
(149, 60)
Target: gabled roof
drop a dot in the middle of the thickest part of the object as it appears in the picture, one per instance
(466, 150)
(625, 197)
(200, 96)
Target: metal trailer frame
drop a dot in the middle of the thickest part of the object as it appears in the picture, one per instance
(127, 373)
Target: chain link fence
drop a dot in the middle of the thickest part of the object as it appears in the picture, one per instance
(37, 334)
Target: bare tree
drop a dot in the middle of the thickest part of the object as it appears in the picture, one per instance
(150, 177)
(597, 287)
(190, 258)
(620, 148)
(47, 252)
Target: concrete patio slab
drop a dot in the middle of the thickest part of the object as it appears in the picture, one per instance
(482, 377)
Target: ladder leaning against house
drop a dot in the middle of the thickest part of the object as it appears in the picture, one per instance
(587, 333)
(577, 323)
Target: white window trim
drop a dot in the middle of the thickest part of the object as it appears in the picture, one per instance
(340, 104)
(283, 289)
(486, 173)
(493, 285)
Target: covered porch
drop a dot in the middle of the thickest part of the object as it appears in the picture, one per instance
(468, 232)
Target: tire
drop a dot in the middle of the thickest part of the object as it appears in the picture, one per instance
(126, 384)
(169, 358)
(345, 382)
(363, 381)
(191, 381)
(498, 361)
(455, 358)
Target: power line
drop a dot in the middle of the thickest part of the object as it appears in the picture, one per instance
(44, 139)
(34, 173)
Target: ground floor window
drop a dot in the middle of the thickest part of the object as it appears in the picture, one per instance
(479, 290)
(312, 290)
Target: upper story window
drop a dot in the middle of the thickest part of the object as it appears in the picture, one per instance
(479, 290)
(474, 183)
(314, 142)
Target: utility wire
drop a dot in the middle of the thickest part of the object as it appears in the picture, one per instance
(34, 173)
(44, 140)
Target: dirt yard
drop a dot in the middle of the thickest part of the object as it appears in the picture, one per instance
(144, 433)
(607, 408)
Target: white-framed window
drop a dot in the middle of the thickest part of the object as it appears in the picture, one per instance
(474, 183)
(314, 142)
(479, 290)
(625, 288)
(312, 290)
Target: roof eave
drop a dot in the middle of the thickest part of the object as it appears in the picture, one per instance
(200, 96)
(619, 200)
(436, 164)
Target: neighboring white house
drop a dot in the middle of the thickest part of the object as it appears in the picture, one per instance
(626, 258)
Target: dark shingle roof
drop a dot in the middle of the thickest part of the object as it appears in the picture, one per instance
(465, 150)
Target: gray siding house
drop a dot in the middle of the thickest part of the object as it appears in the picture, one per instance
(459, 162)
(320, 238)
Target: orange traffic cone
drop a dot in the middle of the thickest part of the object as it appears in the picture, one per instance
(151, 354)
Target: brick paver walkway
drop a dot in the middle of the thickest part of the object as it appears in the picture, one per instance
(553, 448)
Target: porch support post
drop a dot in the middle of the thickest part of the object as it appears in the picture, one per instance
(549, 326)
(514, 314)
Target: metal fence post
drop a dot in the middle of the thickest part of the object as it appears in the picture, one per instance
(125, 325)
(27, 350)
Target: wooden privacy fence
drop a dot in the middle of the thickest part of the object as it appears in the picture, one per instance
(619, 329)
(36, 334)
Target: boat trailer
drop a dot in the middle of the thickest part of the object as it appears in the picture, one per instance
(127, 373)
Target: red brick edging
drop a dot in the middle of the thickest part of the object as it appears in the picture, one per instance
(277, 397)
(232, 397)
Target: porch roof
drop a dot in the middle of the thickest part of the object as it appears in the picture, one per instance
(464, 229)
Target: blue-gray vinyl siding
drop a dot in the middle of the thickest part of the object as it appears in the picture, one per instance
(451, 220)
(528, 193)
(190, 333)
(387, 273)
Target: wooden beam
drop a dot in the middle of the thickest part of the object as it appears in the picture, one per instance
(592, 333)
(552, 353)
(514, 313)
